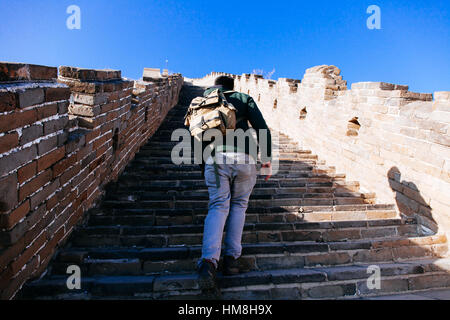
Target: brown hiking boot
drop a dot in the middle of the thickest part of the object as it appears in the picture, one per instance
(207, 275)
(231, 266)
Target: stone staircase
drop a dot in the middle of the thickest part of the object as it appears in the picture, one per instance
(309, 234)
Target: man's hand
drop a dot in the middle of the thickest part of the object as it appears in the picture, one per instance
(267, 170)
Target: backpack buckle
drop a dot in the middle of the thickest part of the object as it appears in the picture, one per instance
(204, 126)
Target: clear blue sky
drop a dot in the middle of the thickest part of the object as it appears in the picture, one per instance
(198, 37)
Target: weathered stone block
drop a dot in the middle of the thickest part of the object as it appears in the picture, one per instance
(55, 125)
(83, 110)
(47, 145)
(175, 282)
(152, 73)
(17, 159)
(332, 291)
(17, 120)
(31, 133)
(10, 71)
(387, 286)
(8, 142)
(30, 97)
(8, 101)
(89, 74)
(57, 94)
(27, 172)
(90, 99)
(8, 192)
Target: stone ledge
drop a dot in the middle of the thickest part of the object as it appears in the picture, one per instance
(90, 74)
(11, 71)
(379, 85)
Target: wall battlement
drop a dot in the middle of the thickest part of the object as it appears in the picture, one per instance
(62, 139)
(395, 142)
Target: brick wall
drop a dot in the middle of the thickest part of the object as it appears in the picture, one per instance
(395, 142)
(62, 138)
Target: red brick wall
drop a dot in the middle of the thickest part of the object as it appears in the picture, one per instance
(61, 141)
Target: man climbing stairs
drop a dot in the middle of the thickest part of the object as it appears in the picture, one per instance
(309, 234)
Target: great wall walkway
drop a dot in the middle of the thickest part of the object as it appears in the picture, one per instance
(309, 234)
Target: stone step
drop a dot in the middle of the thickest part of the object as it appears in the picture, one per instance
(255, 257)
(189, 180)
(330, 212)
(164, 236)
(302, 193)
(165, 136)
(184, 173)
(173, 217)
(281, 155)
(168, 145)
(132, 225)
(294, 283)
(182, 217)
(165, 155)
(266, 193)
(252, 204)
(165, 161)
(310, 184)
(138, 168)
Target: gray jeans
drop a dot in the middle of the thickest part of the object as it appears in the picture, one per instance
(227, 204)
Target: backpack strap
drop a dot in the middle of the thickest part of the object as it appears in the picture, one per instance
(240, 118)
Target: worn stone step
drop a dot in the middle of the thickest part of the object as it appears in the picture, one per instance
(166, 134)
(161, 160)
(281, 154)
(169, 145)
(320, 200)
(355, 211)
(141, 169)
(191, 179)
(164, 236)
(265, 256)
(109, 225)
(171, 217)
(203, 195)
(191, 175)
(260, 185)
(187, 216)
(256, 191)
(294, 283)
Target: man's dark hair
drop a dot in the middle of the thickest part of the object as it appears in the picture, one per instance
(226, 82)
